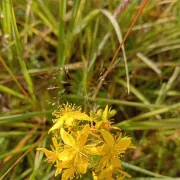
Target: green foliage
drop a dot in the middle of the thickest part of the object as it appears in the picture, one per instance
(57, 51)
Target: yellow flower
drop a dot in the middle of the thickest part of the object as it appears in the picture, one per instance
(52, 156)
(106, 174)
(86, 143)
(110, 173)
(103, 122)
(66, 115)
(76, 150)
(111, 150)
(68, 174)
(69, 171)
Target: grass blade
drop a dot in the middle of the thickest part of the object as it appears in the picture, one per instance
(135, 91)
(21, 117)
(61, 34)
(149, 62)
(12, 92)
(151, 114)
(43, 12)
(117, 29)
(115, 101)
(19, 52)
(152, 124)
(141, 170)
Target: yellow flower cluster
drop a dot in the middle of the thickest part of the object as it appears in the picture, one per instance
(86, 143)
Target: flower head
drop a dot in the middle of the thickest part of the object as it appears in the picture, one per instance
(66, 115)
(111, 150)
(87, 143)
(52, 156)
(102, 118)
(76, 149)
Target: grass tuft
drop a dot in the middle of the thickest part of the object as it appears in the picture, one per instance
(53, 51)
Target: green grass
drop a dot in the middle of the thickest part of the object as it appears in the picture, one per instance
(57, 51)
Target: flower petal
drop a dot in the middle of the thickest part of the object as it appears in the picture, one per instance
(122, 144)
(103, 162)
(69, 121)
(83, 135)
(58, 124)
(79, 116)
(67, 138)
(106, 174)
(66, 155)
(115, 161)
(68, 174)
(81, 163)
(90, 149)
(108, 138)
(102, 149)
(55, 143)
(66, 164)
(105, 113)
(51, 156)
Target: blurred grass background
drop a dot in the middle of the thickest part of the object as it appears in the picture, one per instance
(55, 51)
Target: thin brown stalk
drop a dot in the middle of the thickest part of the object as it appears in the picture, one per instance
(119, 10)
(116, 53)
